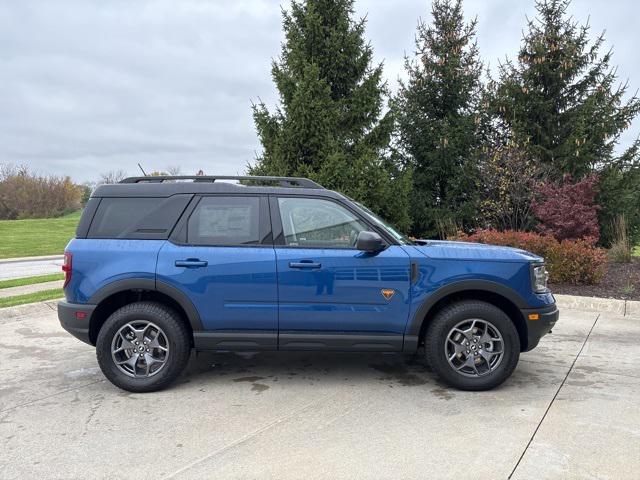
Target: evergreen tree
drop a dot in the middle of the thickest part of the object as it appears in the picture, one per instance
(330, 124)
(562, 100)
(561, 94)
(438, 119)
(620, 195)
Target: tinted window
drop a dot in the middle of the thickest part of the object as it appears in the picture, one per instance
(137, 217)
(225, 221)
(116, 216)
(82, 230)
(314, 222)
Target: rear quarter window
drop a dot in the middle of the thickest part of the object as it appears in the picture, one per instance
(137, 217)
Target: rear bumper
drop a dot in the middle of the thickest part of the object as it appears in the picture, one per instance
(536, 329)
(78, 327)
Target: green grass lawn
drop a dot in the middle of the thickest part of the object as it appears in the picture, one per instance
(40, 236)
(19, 282)
(31, 297)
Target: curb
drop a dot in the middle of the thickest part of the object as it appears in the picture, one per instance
(31, 259)
(596, 304)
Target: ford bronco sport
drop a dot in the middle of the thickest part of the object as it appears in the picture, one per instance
(163, 265)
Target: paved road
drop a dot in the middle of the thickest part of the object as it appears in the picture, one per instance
(29, 267)
(571, 410)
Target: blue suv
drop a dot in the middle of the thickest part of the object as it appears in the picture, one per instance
(163, 265)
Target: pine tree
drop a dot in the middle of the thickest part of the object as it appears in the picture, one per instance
(620, 195)
(561, 94)
(330, 124)
(438, 119)
(562, 99)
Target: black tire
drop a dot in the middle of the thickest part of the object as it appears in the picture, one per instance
(177, 336)
(442, 324)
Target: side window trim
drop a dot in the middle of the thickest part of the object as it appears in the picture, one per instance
(278, 231)
(276, 222)
(179, 234)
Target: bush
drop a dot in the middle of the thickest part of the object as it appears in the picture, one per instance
(568, 210)
(577, 262)
(26, 195)
(532, 242)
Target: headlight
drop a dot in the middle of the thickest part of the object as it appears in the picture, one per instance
(539, 278)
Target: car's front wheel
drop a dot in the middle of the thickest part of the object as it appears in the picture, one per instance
(472, 345)
(143, 347)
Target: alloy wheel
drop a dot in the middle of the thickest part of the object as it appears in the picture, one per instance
(140, 349)
(474, 347)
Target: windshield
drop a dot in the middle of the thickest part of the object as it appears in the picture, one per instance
(392, 231)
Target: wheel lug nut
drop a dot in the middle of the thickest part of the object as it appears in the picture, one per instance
(137, 343)
(147, 349)
(468, 351)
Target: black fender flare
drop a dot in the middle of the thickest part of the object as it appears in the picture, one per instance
(412, 332)
(174, 293)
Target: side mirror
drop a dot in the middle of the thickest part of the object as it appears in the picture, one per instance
(369, 242)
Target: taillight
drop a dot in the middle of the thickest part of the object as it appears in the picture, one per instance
(66, 268)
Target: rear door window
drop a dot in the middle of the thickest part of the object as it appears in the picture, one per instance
(225, 220)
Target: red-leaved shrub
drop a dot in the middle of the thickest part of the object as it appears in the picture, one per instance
(568, 210)
(576, 262)
(532, 242)
(569, 261)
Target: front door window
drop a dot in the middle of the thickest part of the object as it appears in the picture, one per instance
(318, 223)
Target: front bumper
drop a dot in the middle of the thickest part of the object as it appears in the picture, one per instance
(69, 313)
(536, 329)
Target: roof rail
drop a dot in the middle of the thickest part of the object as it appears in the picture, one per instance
(290, 182)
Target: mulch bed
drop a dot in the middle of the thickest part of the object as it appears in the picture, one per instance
(621, 281)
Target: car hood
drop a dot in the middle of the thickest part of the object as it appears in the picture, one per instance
(442, 249)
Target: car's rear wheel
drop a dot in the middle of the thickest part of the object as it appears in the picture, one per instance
(472, 345)
(143, 347)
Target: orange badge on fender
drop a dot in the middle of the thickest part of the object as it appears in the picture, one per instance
(387, 292)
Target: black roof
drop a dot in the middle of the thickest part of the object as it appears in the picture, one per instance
(165, 186)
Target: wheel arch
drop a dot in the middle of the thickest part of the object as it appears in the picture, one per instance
(122, 292)
(491, 292)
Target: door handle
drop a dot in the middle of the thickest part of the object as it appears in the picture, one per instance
(191, 263)
(308, 264)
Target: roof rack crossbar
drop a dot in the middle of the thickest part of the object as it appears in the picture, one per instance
(289, 182)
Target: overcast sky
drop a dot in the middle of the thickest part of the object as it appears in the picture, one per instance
(88, 86)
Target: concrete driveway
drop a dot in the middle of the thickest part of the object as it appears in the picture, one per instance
(571, 410)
